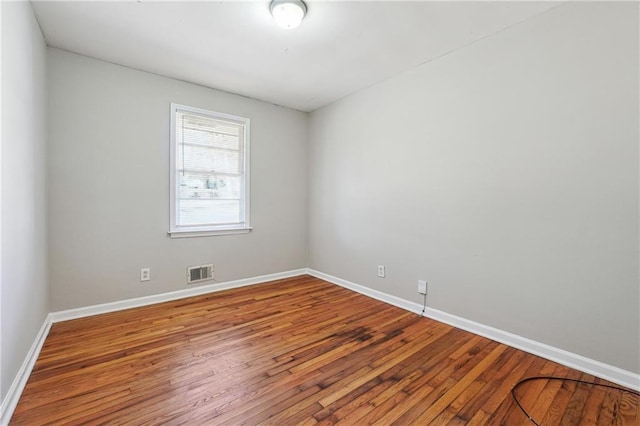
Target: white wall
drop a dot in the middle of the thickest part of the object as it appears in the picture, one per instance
(505, 174)
(24, 286)
(109, 185)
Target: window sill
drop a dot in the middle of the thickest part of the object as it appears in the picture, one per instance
(183, 233)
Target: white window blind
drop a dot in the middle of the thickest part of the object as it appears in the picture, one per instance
(209, 185)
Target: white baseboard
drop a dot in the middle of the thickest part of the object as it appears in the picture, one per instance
(10, 401)
(587, 365)
(378, 295)
(167, 297)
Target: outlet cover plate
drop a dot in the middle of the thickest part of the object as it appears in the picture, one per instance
(145, 274)
(422, 287)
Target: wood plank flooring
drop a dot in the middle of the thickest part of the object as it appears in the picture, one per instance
(298, 351)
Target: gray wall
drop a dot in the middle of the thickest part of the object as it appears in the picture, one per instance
(109, 185)
(24, 286)
(505, 174)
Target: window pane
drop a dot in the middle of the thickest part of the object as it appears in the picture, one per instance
(207, 212)
(211, 138)
(207, 186)
(205, 159)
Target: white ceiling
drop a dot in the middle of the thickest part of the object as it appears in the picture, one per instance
(340, 48)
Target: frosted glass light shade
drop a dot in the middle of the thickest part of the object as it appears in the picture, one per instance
(288, 14)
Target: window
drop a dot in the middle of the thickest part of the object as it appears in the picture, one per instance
(209, 173)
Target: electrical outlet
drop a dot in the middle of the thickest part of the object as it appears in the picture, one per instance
(381, 271)
(145, 274)
(422, 287)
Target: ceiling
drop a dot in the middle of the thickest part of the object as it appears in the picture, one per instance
(235, 46)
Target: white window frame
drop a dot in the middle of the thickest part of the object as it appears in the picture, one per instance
(181, 231)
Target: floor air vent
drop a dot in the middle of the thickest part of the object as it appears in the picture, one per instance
(195, 274)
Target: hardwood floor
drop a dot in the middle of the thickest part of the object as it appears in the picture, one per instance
(296, 351)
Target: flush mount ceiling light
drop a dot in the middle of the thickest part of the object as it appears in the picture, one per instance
(288, 14)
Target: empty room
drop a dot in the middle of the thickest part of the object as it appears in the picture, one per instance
(299, 212)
